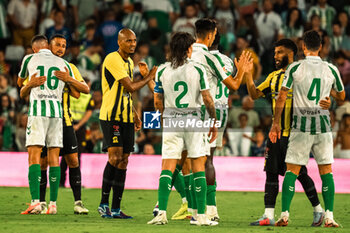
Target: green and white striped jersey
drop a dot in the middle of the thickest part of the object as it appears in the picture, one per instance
(312, 80)
(181, 88)
(214, 68)
(46, 99)
(4, 30)
(136, 22)
(326, 14)
(222, 92)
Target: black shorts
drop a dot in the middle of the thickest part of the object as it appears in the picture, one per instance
(118, 134)
(275, 155)
(70, 143)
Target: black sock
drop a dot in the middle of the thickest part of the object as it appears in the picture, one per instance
(118, 187)
(108, 177)
(75, 182)
(64, 167)
(271, 190)
(309, 188)
(43, 185)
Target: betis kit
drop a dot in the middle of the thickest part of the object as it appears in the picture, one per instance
(45, 102)
(182, 101)
(216, 73)
(312, 80)
(221, 97)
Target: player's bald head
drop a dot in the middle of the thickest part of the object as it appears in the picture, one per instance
(125, 33)
(39, 42)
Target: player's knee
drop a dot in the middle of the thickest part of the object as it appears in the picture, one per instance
(123, 163)
(114, 160)
(325, 169)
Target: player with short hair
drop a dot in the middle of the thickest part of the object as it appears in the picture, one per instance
(312, 80)
(70, 145)
(285, 50)
(44, 125)
(181, 86)
(217, 75)
(117, 118)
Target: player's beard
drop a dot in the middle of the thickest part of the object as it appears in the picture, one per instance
(284, 63)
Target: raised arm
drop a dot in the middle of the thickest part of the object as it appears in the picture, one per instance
(253, 92)
(131, 86)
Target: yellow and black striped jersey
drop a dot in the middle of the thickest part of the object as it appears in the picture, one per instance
(116, 101)
(67, 115)
(271, 87)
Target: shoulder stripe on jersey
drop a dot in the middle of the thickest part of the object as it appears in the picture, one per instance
(70, 70)
(25, 66)
(35, 110)
(160, 73)
(43, 107)
(222, 63)
(109, 78)
(212, 65)
(338, 82)
(201, 78)
(52, 109)
(290, 78)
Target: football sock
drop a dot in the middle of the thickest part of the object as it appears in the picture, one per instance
(118, 187)
(328, 191)
(64, 167)
(108, 177)
(288, 189)
(200, 191)
(178, 181)
(34, 175)
(211, 194)
(270, 213)
(318, 208)
(43, 185)
(75, 182)
(54, 178)
(192, 192)
(271, 190)
(309, 188)
(164, 188)
(187, 190)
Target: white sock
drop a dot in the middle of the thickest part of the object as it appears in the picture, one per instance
(318, 208)
(190, 210)
(184, 200)
(270, 213)
(156, 203)
(329, 214)
(52, 203)
(195, 213)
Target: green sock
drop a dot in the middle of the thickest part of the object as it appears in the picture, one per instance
(328, 191)
(34, 176)
(193, 195)
(211, 194)
(164, 188)
(200, 191)
(54, 177)
(288, 189)
(178, 181)
(187, 190)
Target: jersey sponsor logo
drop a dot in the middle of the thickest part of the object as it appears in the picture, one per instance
(115, 139)
(116, 130)
(151, 120)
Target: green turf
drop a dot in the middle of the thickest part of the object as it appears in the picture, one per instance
(236, 209)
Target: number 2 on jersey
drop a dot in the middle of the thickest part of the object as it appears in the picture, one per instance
(316, 84)
(50, 77)
(182, 94)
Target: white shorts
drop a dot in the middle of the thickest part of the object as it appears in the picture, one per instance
(301, 144)
(44, 131)
(175, 142)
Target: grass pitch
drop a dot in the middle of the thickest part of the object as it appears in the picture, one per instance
(236, 209)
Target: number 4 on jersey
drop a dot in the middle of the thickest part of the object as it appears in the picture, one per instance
(316, 84)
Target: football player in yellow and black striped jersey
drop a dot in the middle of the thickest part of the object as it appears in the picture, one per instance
(117, 118)
(275, 153)
(70, 145)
